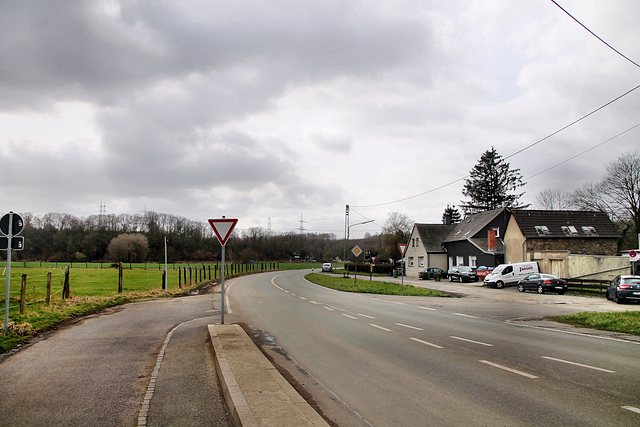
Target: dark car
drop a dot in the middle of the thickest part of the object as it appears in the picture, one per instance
(623, 288)
(542, 283)
(430, 272)
(462, 273)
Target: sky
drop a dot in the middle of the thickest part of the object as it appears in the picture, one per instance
(280, 113)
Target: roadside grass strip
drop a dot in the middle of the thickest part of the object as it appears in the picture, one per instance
(505, 368)
(371, 286)
(579, 364)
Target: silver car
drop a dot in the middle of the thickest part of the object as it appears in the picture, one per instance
(327, 268)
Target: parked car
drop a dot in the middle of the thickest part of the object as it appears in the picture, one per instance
(462, 273)
(542, 283)
(430, 272)
(483, 272)
(327, 268)
(623, 288)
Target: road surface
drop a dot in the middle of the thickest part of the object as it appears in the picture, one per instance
(389, 360)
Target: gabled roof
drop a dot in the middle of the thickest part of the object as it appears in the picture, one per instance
(562, 224)
(471, 225)
(432, 236)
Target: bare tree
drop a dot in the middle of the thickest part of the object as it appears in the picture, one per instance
(397, 229)
(617, 194)
(554, 199)
(129, 247)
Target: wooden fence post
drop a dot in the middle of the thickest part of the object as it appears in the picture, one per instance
(179, 279)
(49, 288)
(119, 278)
(65, 288)
(190, 277)
(23, 293)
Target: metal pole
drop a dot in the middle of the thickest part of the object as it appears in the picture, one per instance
(6, 299)
(222, 288)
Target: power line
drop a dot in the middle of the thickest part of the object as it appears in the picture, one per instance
(596, 36)
(511, 155)
(584, 152)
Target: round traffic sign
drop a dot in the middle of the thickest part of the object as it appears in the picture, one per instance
(16, 226)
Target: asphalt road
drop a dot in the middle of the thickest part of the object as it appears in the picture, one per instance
(97, 371)
(485, 359)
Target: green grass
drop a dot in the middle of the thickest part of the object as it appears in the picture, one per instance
(627, 322)
(370, 287)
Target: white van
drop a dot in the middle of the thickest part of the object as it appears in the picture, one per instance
(510, 274)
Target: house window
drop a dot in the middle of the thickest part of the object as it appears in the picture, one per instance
(417, 242)
(497, 230)
(420, 261)
(459, 260)
(473, 261)
(542, 229)
(569, 230)
(410, 261)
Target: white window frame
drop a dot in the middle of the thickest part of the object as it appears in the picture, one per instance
(459, 260)
(410, 261)
(420, 261)
(473, 261)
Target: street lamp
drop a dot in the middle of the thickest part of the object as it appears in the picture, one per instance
(347, 239)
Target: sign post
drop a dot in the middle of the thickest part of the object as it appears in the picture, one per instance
(356, 251)
(223, 228)
(403, 249)
(11, 224)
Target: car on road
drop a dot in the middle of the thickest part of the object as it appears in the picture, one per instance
(327, 268)
(462, 273)
(624, 288)
(430, 272)
(542, 283)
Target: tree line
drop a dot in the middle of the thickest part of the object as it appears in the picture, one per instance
(140, 237)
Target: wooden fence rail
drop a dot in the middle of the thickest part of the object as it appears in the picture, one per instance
(588, 286)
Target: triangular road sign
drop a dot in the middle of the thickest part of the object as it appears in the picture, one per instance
(223, 228)
(403, 248)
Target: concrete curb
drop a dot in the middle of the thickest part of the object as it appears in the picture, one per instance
(255, 392)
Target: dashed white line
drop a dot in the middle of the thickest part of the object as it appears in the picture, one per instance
(367, 316)
(472, 341)
(632, 409)
(409, 326)
(349, 316)
(315, 302)
(302, 298)
(579, 364)
(427, 308)
(514, 371)
(379, 327)
(396, 302)
(426, 343)
(465, 315)
(328, 308)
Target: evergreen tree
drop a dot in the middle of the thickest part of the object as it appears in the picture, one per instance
(491, 184)
(453, 214)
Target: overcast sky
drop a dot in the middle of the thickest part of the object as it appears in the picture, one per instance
(288, 109)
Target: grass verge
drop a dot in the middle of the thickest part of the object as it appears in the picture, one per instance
(627, 322)
(371, 287)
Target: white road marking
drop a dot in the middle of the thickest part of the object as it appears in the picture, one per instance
(409, 326)
(396, 302)
(579, 364)
(315, 302)
(632, 409)
(472, 341)
(427, 308)
(328, 308)
(368, 317)
(426, 343)
(302, 298)
(466, 315)
(514, 371)
(350, 317)
(379, 327)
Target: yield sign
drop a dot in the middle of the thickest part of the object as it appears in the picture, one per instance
(403, 248)
(223, 228)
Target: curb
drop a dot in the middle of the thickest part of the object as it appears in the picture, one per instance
(255, 392)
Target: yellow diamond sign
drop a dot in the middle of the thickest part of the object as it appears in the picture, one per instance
(356, 250)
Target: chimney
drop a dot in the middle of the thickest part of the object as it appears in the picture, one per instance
(447, 219)
(491, 242)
